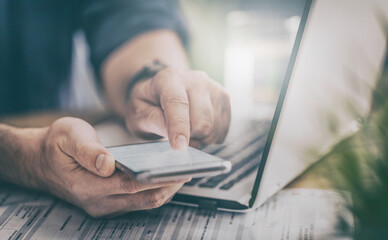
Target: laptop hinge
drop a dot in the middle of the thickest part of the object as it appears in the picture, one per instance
(207, 204)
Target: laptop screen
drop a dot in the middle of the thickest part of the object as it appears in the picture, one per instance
(326, 91)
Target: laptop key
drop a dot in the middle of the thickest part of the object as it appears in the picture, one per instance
(229, 154)
(241, 138)
(212, 149)
(243, 175)
(214, 181)
(232, 150)
(193, 182)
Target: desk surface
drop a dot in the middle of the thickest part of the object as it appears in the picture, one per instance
(292, 212)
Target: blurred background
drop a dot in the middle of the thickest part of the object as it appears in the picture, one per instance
(243, 44)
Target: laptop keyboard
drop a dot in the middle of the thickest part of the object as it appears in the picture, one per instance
(214, 181)
(243, 175)
(243, 149)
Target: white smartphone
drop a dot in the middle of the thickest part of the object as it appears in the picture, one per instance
(157, 162)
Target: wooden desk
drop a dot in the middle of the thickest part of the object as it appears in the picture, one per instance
(44, 119)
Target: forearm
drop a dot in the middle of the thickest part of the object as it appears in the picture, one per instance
(19, 153)
(125, 62)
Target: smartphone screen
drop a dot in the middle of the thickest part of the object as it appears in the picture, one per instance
(151, 160)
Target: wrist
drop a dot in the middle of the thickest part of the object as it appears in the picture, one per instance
(33, 156)
(149, 70)
(21, 153)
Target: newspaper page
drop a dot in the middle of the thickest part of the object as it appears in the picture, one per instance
(291, 214)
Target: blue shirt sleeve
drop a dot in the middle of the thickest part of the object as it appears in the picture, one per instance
(110, 23)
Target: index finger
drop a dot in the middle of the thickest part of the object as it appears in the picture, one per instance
(175, 104)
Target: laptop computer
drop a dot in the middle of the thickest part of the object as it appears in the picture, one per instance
(325, 93)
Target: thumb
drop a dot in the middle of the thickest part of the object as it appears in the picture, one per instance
(82, 144)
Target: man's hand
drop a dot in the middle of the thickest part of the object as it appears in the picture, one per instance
(71, 163)
(181, 105)
(176, 102)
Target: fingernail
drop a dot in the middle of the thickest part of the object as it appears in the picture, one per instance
(102, 164)
(181, 142)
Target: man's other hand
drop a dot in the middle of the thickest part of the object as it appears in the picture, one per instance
(74, 165)
(187, 107)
